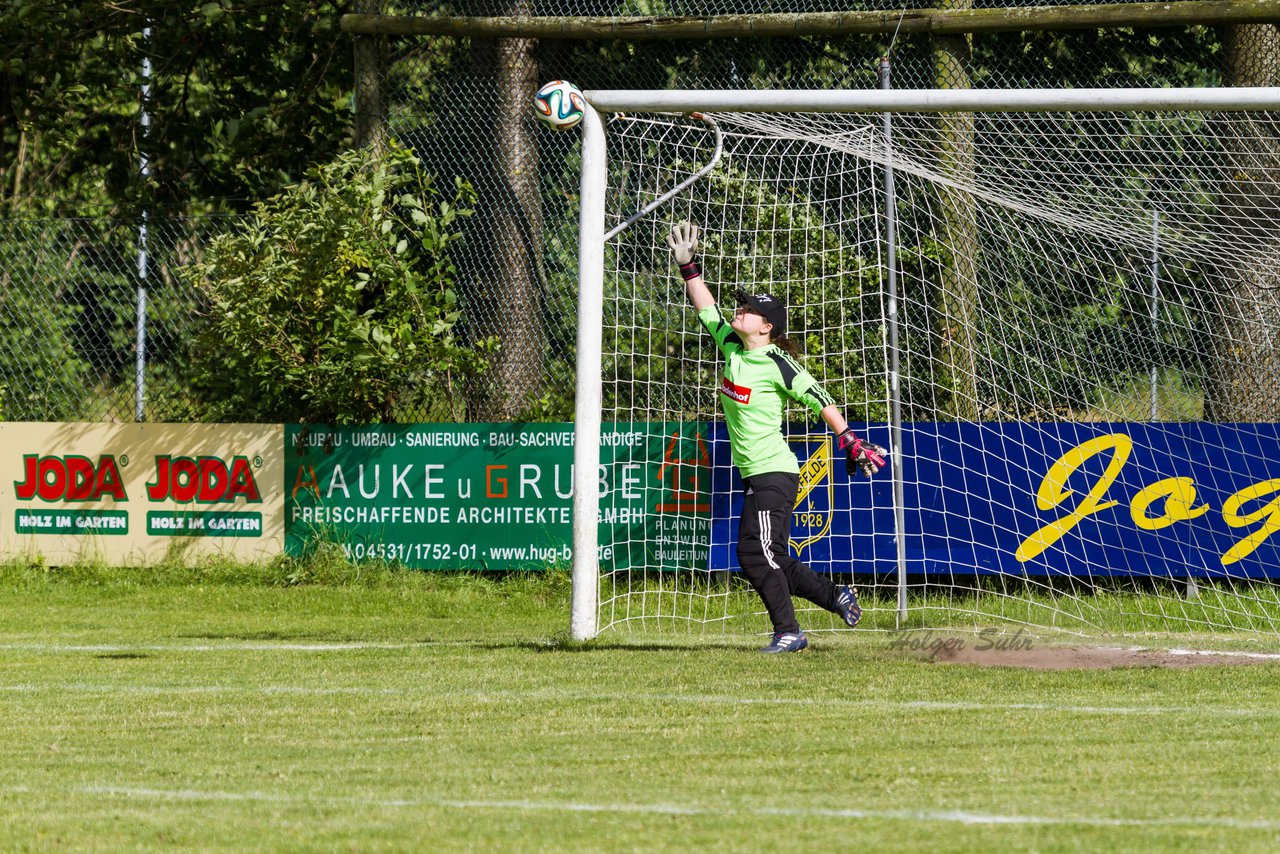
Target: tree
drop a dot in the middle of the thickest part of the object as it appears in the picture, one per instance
(1244, 359)
(244, 95)
(42, 376)
(336, 301)
(506, 295)
(958, 286)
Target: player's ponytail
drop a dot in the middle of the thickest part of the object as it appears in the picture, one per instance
(788, 346)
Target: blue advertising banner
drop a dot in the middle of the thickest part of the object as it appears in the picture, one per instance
(1036, 499)
(839, 523)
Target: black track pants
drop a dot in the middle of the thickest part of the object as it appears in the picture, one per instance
(765, 558)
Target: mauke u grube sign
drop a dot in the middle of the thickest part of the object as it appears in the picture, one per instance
(496, 496)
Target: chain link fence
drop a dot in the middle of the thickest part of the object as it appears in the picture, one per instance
(71, 316)
(462, 105)
(95, 321)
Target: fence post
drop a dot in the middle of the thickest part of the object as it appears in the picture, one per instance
(140, 365)
(1155, 307)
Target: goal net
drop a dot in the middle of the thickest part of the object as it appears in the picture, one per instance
(1064, 324)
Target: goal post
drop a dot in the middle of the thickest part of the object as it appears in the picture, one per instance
(797, 206)
(588, 394)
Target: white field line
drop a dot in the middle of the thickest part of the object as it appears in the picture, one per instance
(621, 698)
(1269, 656)
(354, 646)
(908, 815)
(230, 646)
(179, 690)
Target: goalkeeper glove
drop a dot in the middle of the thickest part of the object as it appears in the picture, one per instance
(859, 455)
(683, 240)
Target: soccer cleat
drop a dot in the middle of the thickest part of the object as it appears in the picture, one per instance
(847, 605)
(786, 642)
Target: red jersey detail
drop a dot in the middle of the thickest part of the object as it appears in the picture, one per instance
(735, 392)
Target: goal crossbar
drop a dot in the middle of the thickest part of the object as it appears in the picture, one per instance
(931, 100)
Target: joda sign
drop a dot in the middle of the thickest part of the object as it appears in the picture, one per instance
(140, 492)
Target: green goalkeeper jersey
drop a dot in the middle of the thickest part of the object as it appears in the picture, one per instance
(751, 394)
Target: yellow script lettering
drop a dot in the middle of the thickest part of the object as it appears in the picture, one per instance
(1053, 490)
(1269, 511)
(1179, 493)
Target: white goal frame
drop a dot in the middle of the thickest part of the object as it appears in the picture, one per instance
(592, 234)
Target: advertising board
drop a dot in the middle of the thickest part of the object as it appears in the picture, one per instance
(132, 494)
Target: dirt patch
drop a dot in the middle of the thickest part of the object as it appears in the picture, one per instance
(1087, 657)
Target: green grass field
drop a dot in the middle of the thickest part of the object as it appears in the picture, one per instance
(304, 709)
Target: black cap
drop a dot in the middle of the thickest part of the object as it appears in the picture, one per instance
(769, 306)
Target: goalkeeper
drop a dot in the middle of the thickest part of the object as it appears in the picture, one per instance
(760, 367)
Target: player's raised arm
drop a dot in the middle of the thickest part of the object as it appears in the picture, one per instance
(860, 455)
(683, 241)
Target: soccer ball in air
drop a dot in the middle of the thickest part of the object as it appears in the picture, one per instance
(560, 104)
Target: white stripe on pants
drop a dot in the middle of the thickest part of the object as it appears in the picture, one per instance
(766, 537)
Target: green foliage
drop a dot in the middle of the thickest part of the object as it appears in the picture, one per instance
(42, 375)
(762, 233)
(1131, 399)
(1099, 58)
(242, 97)
(335, 303)
(1022, 332)
(245, 94)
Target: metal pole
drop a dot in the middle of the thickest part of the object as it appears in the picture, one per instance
(586, 447)
(1191, 588)
(140, 367)
(1155, 306)
(895, 379)
(716, 153)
